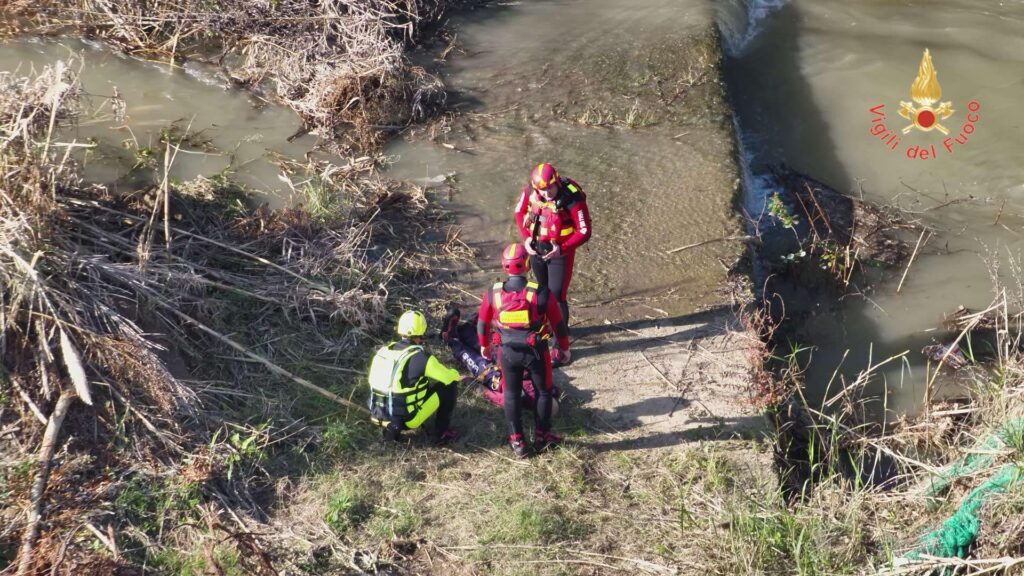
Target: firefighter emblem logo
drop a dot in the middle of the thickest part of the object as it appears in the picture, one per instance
(926, 93)
(926, 112)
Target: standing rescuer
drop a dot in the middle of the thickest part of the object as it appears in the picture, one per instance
(553, 219)
(519, 310)
(408, 384)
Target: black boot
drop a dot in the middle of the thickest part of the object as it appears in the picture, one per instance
(391, 433)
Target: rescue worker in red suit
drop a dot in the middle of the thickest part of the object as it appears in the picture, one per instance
(513, 317)
(554, 221)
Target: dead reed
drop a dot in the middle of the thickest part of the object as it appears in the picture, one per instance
(148, 338)
(868, 491)
(339, 64)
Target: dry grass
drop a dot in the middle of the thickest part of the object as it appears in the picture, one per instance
(339, 64)
(190, 460)
(851, 495)
(709, 507)
(161, 313)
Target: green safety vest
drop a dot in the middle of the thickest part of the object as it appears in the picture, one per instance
(386, 379)
(388, 392)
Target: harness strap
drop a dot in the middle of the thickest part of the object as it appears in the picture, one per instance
(514, 316)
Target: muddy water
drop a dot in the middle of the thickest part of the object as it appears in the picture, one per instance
(533, 79)
(615, 95)
(804, 77)
(235, 133)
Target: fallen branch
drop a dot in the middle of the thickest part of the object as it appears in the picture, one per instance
(267, 363)
(753, 239)
(46, 448)
(106, 540)
(96, 205)
(688, 346)
(493, 453)
(660, 374)
(972, 567)
(638, 563)
(1000, 214)
(911, 261)
(28, 401)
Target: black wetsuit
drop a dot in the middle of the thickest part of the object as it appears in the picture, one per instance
(555, 274)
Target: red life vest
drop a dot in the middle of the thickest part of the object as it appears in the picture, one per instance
(516, 310)
(544, 221)
(551, 221)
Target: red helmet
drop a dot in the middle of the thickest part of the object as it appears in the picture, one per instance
(543, 176)
(515, 260)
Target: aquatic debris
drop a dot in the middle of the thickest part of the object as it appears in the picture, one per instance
(434, 181)
(950, 355)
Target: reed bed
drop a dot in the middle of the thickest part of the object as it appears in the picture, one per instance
(153, 342)
(339, 64)
(857, 492)
(858, 495)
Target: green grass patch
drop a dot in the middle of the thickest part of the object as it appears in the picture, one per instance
(348, 507)
(171, 562)
(150, 505)
(323, 201)
(343, 437)
(403, 520)
(533, 523)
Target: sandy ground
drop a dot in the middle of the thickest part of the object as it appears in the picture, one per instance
(653, 384)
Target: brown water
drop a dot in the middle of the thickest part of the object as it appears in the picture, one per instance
(563, 96)
(804, 80)
(529, 74)
(240, 134)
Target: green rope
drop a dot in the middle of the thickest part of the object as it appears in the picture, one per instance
(959, 532)
(956, 535)
(979, 457)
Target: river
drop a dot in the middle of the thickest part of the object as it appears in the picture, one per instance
(804, 76)
(661, 178)
(233, 132)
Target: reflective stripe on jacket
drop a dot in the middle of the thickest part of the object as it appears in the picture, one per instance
(516, 310)
(564, 221)
(555, 221)
(395, 391)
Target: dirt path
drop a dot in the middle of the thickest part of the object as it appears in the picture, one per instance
(658, 384)
(660, 358)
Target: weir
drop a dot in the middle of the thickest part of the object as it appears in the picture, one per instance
(625, 105)
(663, 468)
(815, 87)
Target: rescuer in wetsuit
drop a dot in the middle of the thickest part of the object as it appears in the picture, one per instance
(519, 311)
(553, 219)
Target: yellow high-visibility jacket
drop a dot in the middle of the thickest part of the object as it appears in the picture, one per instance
(400, 376)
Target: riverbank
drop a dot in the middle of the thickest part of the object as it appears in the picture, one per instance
(247, 462)
(166, 348)
(656, 416)
(242, 469)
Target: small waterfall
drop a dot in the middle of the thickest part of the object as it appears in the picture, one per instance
(758, 185)
(739, 21)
